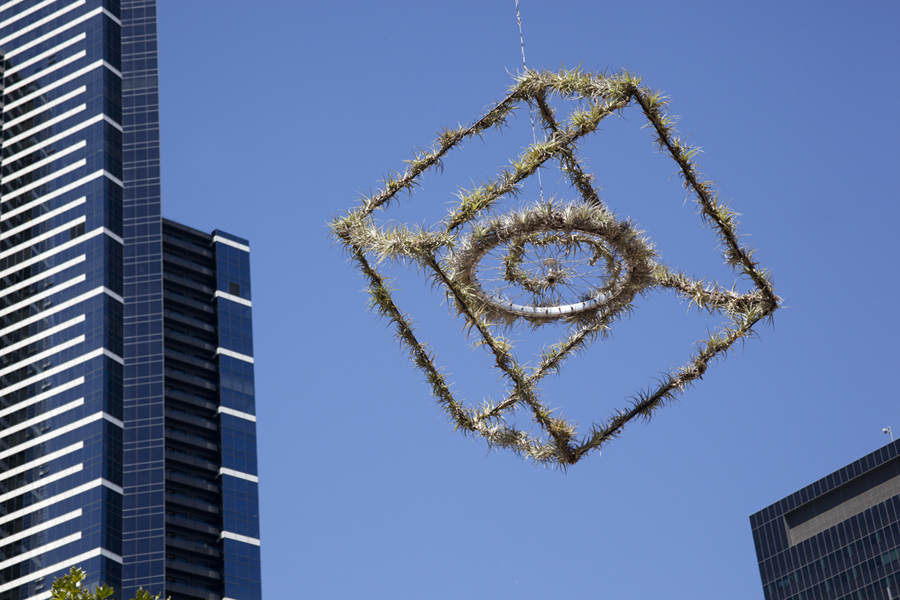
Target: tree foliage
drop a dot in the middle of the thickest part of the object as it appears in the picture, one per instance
(68, 587)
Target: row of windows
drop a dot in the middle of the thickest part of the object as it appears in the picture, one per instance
(95, 161)
(96, 101)
(100, 569)
(72, 523)
(94, 27)
(101, 203)
(854, 528)
(97, 498)
(102, 376)
(75, 411)
(242, 570)
(96, 437)
(866, 593)
(72, 44)
(840, 559)
(41, 286)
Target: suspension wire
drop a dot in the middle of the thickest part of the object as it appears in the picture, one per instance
(531, 111)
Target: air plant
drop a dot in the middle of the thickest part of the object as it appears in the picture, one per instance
(572, 263)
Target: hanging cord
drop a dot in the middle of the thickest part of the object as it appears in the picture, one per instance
(531, 111)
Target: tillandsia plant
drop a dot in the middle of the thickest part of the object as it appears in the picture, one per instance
(554, 262)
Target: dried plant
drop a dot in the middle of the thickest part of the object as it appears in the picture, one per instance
(549, 263)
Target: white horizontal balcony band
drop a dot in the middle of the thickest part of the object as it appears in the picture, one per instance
(35, 358)
(232, 243)
(65, 227)
(236, 413)
(50, 372)
(44, 162)
(41, 460)
(59, 136)
(47, 71)
(49, 253)
(42, 55)
(10, 4)
(42, 596)
(120, 183)
(45, 180)
(29, 360)
(238, 474)
(44, 334)
(58, 30)
(40, 22)
(239, 538)
(40, 483)
(112, 17)
(41, 527)
(24, 13)
(56, 250)
(233, 354)
(62, 306)
(42, 126)
(61, 82)
(232, 297)
(60, 497)
(43, 417)
(55, 433)
(40, 550)
(33, 112)
(43, 275)
(69, 562)
(59, 192)
(45, 294)
(44, 217)
(39, 398)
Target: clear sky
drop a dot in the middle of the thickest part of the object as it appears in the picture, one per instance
(277, 115)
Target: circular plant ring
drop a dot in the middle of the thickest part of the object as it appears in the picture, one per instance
(553, 264)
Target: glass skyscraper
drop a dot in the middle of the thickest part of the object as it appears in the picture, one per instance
(127, 427)
(837, 538)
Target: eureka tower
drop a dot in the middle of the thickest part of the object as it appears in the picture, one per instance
(127, 419)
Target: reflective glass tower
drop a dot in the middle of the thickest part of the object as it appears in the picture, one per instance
(127, 427)
(61, 296)
(837, 538)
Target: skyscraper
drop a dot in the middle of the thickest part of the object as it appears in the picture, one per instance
(191, 508)
(837, 538)
(127, 427)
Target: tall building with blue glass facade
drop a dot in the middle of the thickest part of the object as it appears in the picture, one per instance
(127, 427)
(837, 538)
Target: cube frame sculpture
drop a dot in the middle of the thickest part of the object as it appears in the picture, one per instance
(540, 249)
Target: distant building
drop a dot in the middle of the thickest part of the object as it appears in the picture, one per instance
(207, 545)
(127, 427)
(838, 538)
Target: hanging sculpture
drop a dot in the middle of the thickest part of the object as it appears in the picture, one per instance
(574, 264)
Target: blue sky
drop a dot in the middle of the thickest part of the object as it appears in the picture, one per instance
(276, 116)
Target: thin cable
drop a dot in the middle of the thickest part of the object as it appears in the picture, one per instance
(530, 112)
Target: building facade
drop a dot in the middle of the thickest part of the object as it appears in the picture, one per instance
(127, 427)
(838, 538)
